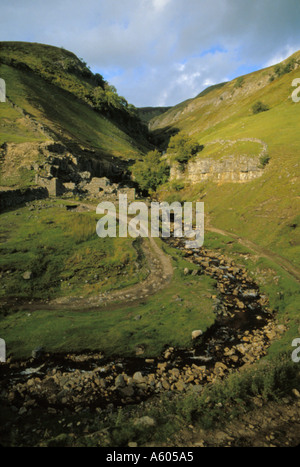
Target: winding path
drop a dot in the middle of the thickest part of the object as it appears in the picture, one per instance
(160, 275)
(263, 252)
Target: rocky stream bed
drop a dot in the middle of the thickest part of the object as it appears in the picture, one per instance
(243, 330)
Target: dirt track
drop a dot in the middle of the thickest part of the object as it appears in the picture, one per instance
(160, 275)
(263, 252)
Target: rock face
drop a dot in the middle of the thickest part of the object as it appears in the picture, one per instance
(51, 160)
(63, 171)
(54, 171)
(232, 168)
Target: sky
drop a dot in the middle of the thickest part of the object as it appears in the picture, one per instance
(160, 52)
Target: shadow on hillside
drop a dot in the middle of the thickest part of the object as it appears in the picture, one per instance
(161, 138)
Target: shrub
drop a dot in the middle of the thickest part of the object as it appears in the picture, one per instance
(264, 160)
(239, 82)
(259, 107)
(151, 172)
(177, 185)
(281, 69)
(183, 148)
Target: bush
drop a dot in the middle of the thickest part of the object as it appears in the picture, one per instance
(281, 69)
(259, 107)
(239, 82)
(177, 185)
(264, 160)
(151, 172)
(183, 148)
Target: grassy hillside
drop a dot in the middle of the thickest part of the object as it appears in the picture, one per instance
(63, 253)
(265, 210)
(51, 258)
(51, 94)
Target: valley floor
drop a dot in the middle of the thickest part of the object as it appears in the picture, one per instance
(270, 423)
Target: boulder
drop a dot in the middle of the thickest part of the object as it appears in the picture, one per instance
(180, 386)
(27, 275)
(119, 381)
(85, 175)
(196, 334)
(138, 378)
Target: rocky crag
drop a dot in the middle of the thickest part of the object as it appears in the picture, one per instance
(231, 168)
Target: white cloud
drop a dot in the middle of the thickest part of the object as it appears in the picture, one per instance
(282, 55)
(160, 51)
(160, 4)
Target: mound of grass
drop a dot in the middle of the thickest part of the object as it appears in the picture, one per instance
(63, 253)
(167, 319)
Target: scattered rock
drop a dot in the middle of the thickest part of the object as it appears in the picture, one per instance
(138, 378)
(296, 393)
(196, 334)
(27, 275)
(180, 386)
(120, 381)
(145, 421)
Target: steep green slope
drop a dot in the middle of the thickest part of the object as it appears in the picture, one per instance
(52, 95)
(264, 209)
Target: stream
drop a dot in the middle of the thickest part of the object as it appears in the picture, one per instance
(242, 314)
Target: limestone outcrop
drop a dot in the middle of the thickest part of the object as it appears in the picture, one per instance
(231, 168)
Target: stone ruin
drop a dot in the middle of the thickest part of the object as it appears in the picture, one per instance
(91, 187)
(104, 188)
(61, 173)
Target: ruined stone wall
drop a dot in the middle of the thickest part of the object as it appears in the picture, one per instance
(11, 198)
